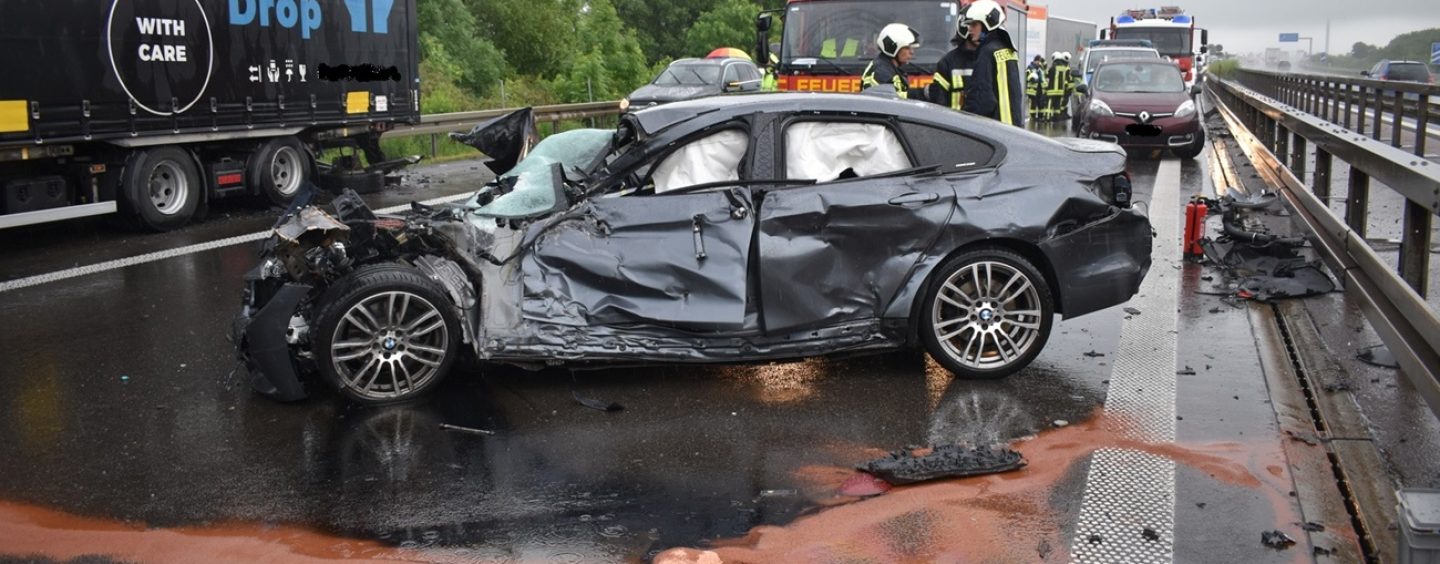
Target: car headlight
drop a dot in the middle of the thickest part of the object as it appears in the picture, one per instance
(1186, 109)
(624, 104)
(1101, 109)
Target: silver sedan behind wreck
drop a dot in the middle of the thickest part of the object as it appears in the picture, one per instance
(717, 230)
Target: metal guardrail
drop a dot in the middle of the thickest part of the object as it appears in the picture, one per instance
(1337, 100)
(436, 124)
(1273, 134)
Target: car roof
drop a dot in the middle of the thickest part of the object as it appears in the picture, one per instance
(658, 118)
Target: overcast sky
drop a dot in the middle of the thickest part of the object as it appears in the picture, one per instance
(1252, 25)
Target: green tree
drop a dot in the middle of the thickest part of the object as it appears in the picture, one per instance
(608, 63)
(664, 23)
(729, 24)
(452, 51)
(1413, 46)
(537, 36)
(1361, 50)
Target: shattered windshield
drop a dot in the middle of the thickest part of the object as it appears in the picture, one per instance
(533, 191)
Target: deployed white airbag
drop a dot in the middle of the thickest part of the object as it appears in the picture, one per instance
(715, 158)
(823, 150)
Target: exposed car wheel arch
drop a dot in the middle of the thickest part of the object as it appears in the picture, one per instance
(1028, 251)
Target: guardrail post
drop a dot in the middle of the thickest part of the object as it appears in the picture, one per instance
(1376, 113)
(1415, 247)
(1282, 145)
(1398, 126)
(434, 145)
(1332, 104)
(1422, 123)
(1298, 156)
(1360, 122)
(1322, 175)
(1358, 202)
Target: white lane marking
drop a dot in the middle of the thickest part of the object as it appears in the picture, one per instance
(1127, 513)
(106, 266)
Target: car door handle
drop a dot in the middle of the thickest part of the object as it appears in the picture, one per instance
(914, 198)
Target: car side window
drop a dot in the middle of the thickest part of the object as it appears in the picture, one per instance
(833, 150)
(714, 158)
(732, 74)
(948, 149)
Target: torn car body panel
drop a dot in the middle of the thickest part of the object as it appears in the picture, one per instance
(577, 256)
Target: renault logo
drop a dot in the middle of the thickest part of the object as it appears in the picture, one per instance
(1144, 117)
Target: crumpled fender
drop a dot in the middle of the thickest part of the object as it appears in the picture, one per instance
(263, 347)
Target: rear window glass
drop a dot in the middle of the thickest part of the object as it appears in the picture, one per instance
(935, 146)
(1409, 71)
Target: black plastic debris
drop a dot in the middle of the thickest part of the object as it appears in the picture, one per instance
(1312, 527)
(1378, 355)
(947, 461)
(595, 404)
(1258, 264)
(1150, 534)
(1132, 311)
(1093, 354)
(505, 139)
(1094, 539)
(1277, 540)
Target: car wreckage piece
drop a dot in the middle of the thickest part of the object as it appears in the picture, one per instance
(900, 225)
(945, 461)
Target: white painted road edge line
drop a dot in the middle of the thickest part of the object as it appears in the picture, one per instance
(106, 266)
(1127, 513)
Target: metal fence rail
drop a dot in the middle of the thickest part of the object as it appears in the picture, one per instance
(436, 124)
(1274, 134)
(1371, 103)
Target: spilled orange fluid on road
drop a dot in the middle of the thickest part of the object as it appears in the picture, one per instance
(28, 530)
(1007, 517)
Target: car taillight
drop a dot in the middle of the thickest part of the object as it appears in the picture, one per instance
(1384, 77)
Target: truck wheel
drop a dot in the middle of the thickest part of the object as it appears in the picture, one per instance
(987, 314)
(162, 188)
(385, 334)
(279, 169)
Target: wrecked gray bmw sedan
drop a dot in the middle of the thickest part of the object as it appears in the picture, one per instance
(716, 230)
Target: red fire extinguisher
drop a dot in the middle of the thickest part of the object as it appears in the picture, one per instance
(1195, 213)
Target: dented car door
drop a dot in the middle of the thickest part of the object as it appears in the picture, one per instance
(674, 260)
(840, 251)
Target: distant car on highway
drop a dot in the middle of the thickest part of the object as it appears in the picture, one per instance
(686, 79)
(1102, 51)
(1143, 103)
(724, 229)
(1406, 71)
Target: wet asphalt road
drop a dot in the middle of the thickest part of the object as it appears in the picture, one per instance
(124, 410)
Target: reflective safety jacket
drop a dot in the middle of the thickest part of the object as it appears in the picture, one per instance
(1060, 79)
(882, 70)
(948, 89)
(994, 90)
(1035, 80)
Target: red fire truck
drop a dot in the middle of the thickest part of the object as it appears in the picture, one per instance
(826, 44)
(1168, 28)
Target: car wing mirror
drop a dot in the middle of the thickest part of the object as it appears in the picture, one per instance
(1082, 88)
(1365, 73)
(1195, 89)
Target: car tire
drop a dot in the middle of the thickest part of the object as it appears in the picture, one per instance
(162, 188)
(279, 170)
(978, 332)
(1192, 150)
(385, 334)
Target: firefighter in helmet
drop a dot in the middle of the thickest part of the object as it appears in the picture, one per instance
(948, 88)
(897, 43)
(994, 89)
(1035, 87)
(1055, 86)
